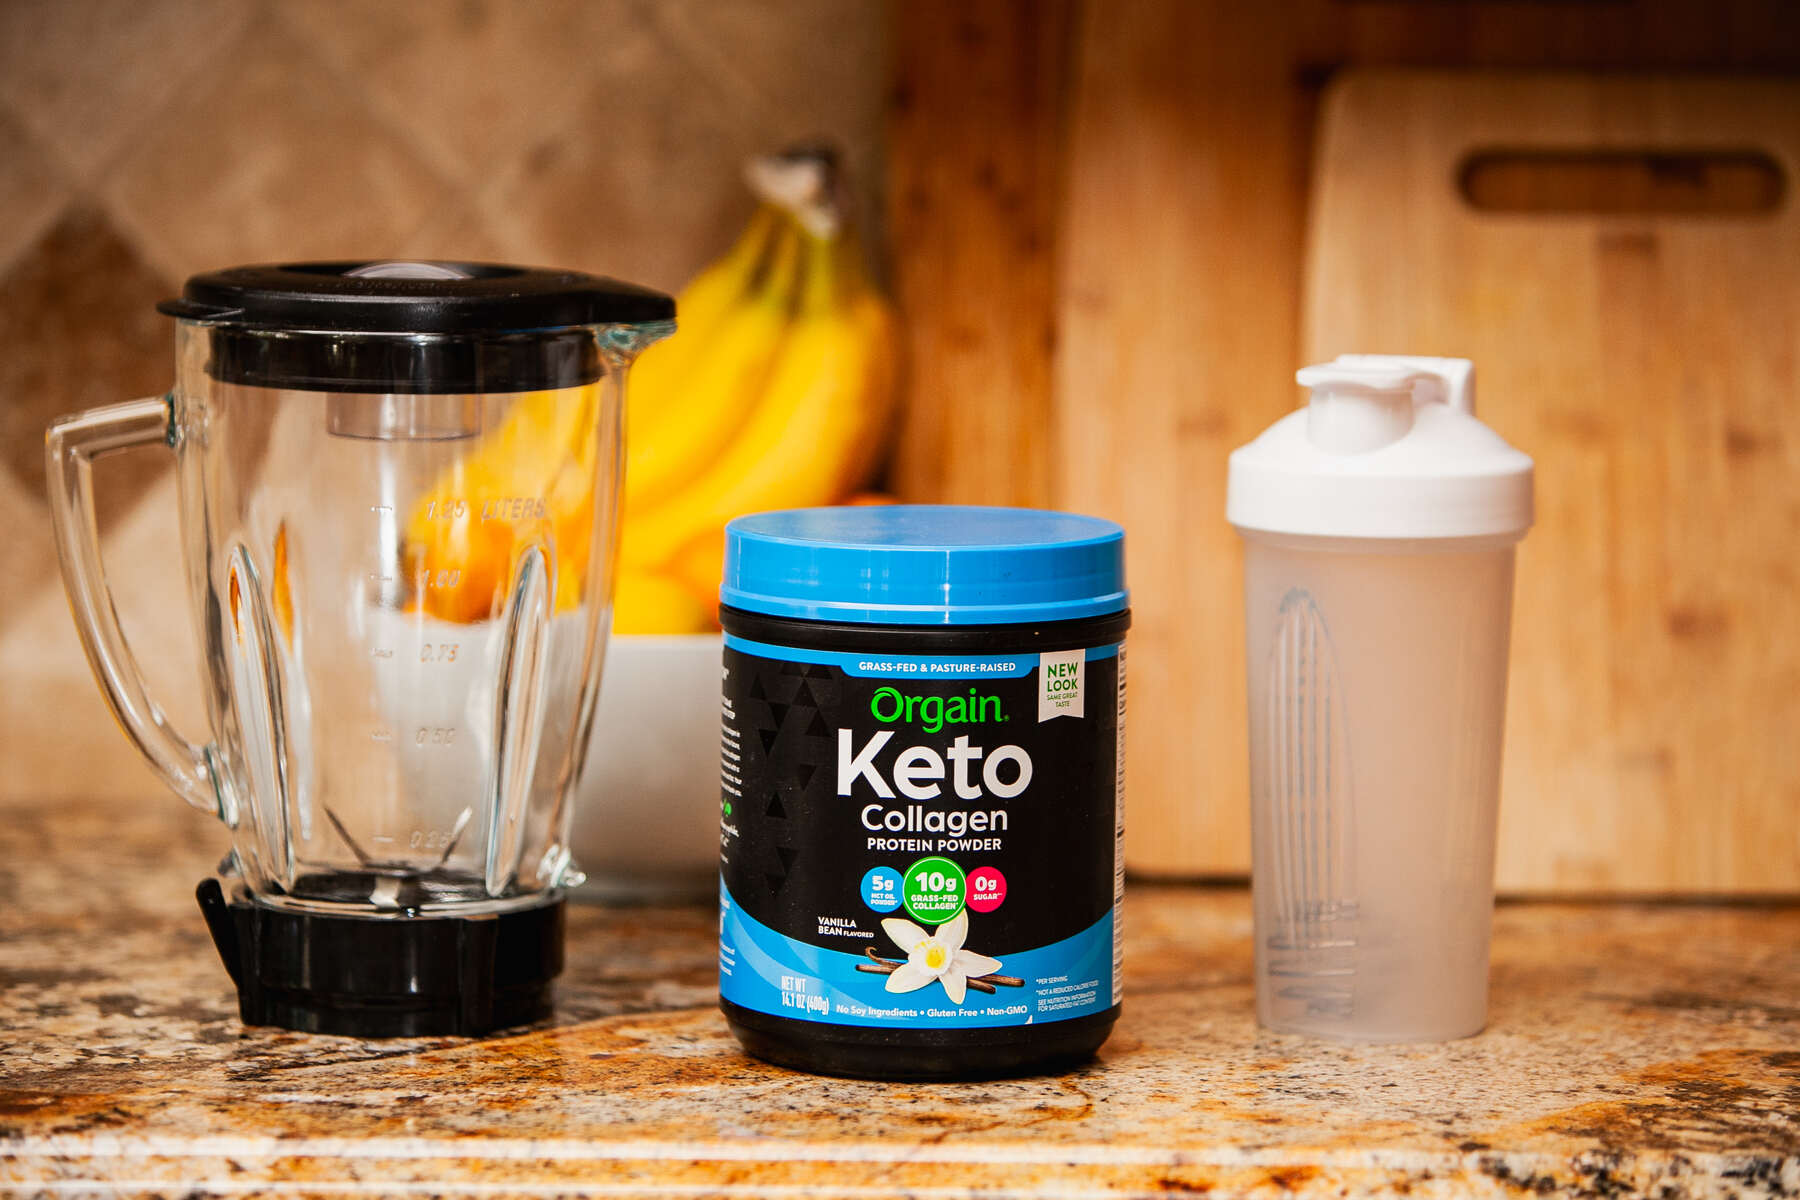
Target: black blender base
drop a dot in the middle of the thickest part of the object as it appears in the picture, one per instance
(377, 977)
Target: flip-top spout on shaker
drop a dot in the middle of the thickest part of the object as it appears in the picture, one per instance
(399, 488)
(1363, 402)
(1379, 522)
(1388, 446)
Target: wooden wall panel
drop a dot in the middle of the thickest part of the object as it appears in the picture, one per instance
(1648, 361)
(974, 193)
(1179, 145)
(1185, 207)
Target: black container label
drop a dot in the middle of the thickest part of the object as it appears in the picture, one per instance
(921, 841)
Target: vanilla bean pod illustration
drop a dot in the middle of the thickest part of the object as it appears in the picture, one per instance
(885, 966)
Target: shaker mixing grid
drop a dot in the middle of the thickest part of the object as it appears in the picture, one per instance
(1311, 949)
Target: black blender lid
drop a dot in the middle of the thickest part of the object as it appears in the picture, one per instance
(412, 297)
(412, 328)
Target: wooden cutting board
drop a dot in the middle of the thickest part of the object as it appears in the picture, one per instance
(1650, 362)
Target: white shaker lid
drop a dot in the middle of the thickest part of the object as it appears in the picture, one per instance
(1388, 447)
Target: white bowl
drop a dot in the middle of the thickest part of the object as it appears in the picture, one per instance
(646, 822)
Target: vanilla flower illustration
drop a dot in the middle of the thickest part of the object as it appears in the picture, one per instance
(936, 955)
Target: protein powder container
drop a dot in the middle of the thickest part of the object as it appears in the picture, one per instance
(922, 778)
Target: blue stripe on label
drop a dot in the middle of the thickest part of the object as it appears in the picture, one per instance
(909, 666)
(768, 972)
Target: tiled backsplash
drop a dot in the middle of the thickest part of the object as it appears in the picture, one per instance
(144, 140)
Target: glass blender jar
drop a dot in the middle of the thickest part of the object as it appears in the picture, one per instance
(399, 487)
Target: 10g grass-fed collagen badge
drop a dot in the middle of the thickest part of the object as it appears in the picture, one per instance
(922, 788)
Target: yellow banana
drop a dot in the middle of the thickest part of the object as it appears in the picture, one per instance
(818, 421)
(700, 565)
(686, 427)
(651, 603)
(710, 294)
(662, 370)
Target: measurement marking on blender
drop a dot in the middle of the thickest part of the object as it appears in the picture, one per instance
(514, 508)
(431, 839)
(380, 652)
(380, 735)
(381, 508)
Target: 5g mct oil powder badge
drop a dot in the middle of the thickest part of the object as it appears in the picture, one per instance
(920, 828)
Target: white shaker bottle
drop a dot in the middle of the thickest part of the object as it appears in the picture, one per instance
(1379, 524)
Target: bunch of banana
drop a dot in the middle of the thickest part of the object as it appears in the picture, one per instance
(776, 392)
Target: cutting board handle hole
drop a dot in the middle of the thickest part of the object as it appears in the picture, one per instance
(1696, 182)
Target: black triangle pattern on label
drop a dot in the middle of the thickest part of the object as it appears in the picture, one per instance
(775, 808)
(756, 687)
(787, 855)
(768, 737)
(774, 881)
(817, 727)
(803, 774)
(818, 671)
(779, 712)
(782, 689)
(794, 668)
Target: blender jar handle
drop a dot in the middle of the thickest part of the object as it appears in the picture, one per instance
(71, 445)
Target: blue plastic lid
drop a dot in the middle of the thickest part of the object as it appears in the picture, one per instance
(925, 564)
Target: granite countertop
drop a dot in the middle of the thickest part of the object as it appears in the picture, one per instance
(1632, 1048)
